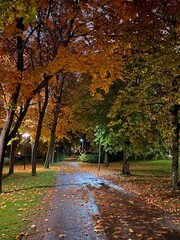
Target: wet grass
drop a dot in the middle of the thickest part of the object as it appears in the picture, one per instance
(21, 197)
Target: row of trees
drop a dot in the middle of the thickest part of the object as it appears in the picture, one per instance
(72, 65)
(141, 114)
(45, 46)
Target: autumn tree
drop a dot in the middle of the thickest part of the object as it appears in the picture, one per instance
(50, 39)
(148, 107)
(60, 92)
(14, 70)
(91, 115)
(151, 77)
(42, 109)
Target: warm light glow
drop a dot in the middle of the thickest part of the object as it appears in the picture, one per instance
(26, 135)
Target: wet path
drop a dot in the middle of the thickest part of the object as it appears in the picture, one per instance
(85, 207)
(72, 218)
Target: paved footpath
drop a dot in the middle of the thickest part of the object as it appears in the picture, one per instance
(77, 212)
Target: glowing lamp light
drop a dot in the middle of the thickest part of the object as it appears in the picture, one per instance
(26, 135)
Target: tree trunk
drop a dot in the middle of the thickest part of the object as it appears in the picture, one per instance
(38, 132)
(4, 137)
(125, 168)
(12, 157)
(56, 111)
(13, 100)
(3, 145)
(5, 132)
(175, 148)
(49, 155)
(106, 159)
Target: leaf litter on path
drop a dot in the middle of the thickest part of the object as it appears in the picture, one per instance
(113, 211)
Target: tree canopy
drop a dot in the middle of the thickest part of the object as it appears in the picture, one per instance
(112, 64)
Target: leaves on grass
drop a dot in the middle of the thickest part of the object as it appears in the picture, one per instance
(21, 235)
(127, 217)
(149, 186)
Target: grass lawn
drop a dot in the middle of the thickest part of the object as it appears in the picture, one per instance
(21, 197)
(150, 180)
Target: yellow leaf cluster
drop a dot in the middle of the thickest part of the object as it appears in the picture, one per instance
(104, 66)
(64, 123)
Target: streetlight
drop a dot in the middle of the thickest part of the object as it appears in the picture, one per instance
(99, 156)
(26, 136)
(82, 144)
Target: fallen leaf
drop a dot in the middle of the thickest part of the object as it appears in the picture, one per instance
(33, 226)
(62, 235)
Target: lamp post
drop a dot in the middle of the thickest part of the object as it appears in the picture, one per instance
(99, 157)
(26, 136)
(82, 144)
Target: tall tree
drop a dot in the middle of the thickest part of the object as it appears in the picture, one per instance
(54, 39)
(14, 97)
(42, 110)
(12, 69)
(149, 102)
(60, 94)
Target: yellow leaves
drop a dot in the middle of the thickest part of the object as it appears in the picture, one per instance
(22, 209)
(139, 234)
(64, 122)
(131, 230)
(98, 228)
(104, 66)
(67, 61)
(3, 205)
(18, 236)
(85, 197)
(98, 96)
(9, 31)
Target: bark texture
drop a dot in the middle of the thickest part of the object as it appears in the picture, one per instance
(125, 167)
(175, 149)
(38, 131)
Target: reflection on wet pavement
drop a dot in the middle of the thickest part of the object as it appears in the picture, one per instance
(75, 209)
(87, 179)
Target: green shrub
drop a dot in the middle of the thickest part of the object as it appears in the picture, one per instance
(90, 158)
(61, 157)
